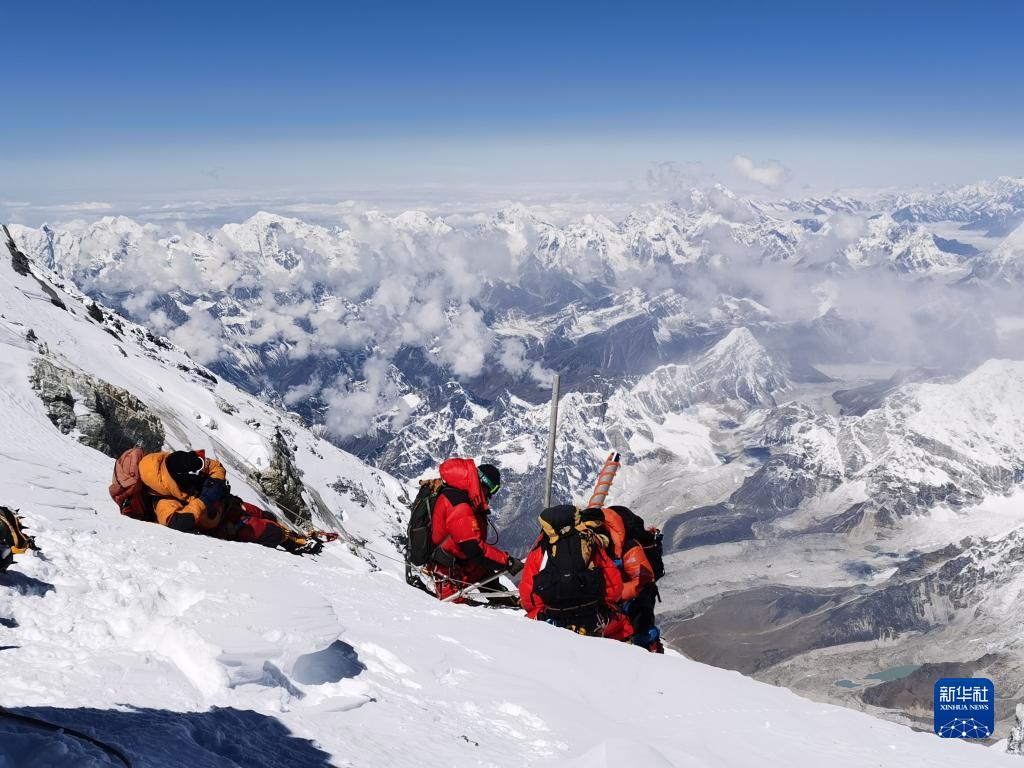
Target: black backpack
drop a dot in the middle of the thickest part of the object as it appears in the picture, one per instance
(569, 583)
(419, 546)
(650, 540)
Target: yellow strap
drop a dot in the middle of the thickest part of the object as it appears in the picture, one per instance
(16, 535)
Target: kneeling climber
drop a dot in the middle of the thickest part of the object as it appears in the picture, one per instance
(569, 580)
(461, 555)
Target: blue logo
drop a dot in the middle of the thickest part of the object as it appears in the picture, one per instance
(965, 707)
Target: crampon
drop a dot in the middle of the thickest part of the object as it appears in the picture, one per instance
(309, 542)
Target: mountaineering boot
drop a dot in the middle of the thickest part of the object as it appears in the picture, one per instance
(297, 544)
(651, 640)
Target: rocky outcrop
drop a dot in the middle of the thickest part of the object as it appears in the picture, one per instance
(282, 482)
(98, 414)
(21, 264)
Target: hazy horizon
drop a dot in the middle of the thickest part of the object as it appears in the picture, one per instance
(126, 106)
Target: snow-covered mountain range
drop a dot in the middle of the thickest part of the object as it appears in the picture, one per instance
(185, 650)
(819, 400)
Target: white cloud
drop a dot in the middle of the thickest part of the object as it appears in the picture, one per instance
(676, 179)
(200, 336)
(512, 356)
(86, 207)
(354, 406)
(770, 173)
(466, 342)
(303, 391)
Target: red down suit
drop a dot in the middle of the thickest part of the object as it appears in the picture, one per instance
(459, 528)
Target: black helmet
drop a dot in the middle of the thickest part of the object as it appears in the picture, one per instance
(184, 467)
(490, 479)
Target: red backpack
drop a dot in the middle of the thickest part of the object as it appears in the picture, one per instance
(127, 489)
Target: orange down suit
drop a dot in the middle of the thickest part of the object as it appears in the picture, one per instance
(637, 571)
(171, 501)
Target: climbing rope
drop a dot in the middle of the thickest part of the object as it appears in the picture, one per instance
(48, 726)
(355, 543)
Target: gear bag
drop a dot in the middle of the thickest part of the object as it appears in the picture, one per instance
(13, 539)
(568, 582)
(127, 489)
(648, 538)
(419, 546)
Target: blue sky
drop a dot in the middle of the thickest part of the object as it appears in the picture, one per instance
(145, 100)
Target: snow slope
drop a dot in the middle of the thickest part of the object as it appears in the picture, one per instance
(187, 651)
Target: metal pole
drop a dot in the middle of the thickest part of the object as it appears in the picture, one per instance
(552, 434)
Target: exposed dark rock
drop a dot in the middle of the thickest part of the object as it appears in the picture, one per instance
(102, 416)
(196, 370)
(224, 405)
(156, 340)
(19, 261)
(354, 492)
(753, 629)
(282, 482)
(21, 265)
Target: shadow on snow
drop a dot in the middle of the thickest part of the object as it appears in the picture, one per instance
(336, 662)
(156, 738)
(26, 585)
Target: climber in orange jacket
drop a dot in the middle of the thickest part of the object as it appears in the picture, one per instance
(629, 556)
(188, 489)
(462, 555)
(190, 492)
(639, 591)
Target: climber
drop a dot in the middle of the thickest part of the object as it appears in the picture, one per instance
(461, 554)
(639, 593)
(569, 580)
(186, 491)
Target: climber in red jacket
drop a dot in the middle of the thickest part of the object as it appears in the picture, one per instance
(459, 528)
(569, 580)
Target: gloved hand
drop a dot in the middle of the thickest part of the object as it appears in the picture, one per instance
(514, 566)
(213, 491)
